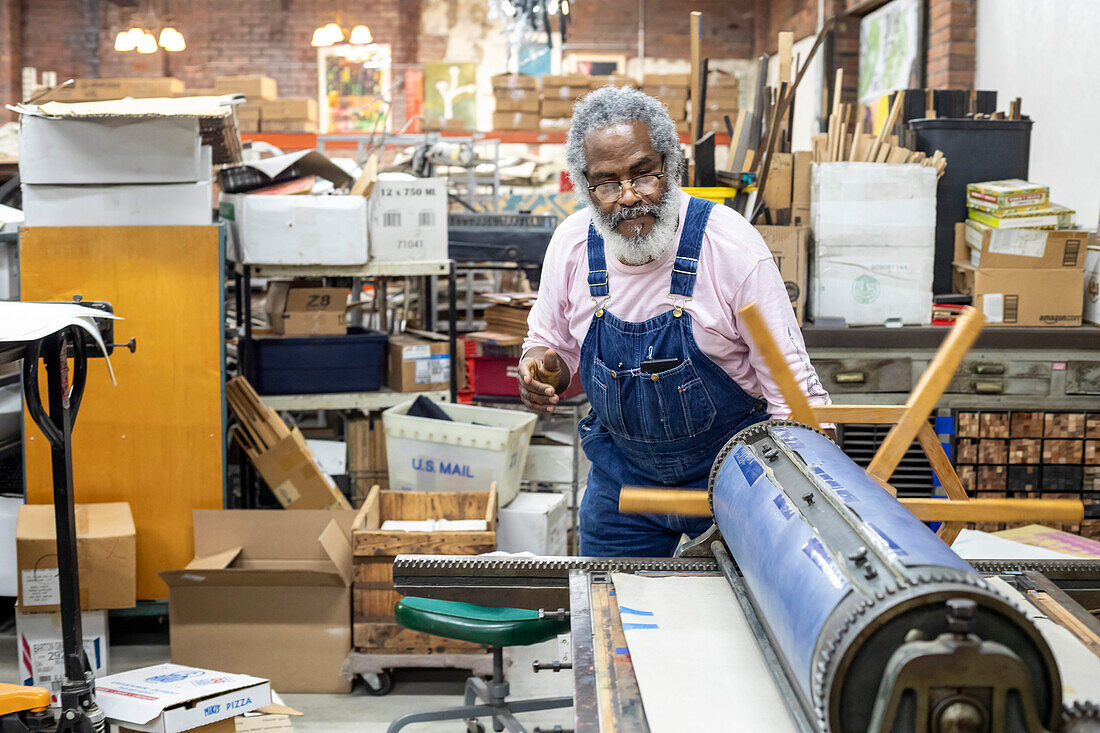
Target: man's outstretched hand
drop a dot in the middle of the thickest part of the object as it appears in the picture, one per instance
(543, 375)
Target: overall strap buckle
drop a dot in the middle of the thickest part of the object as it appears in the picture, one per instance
(678, 303)
(600, 303)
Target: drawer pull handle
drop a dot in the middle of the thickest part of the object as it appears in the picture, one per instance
(850, 378)
(989, 387)
(989, 368)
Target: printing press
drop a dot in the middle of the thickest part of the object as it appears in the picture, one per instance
(839, 606)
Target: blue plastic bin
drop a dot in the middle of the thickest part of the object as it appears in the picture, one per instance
(317, 364)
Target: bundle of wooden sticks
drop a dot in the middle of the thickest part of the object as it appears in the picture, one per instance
(839, 144)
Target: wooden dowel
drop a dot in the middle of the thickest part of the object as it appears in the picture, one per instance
(777, 365)
(696, 83)
(696, 503)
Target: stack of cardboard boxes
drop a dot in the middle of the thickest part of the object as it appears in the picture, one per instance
(560, 93)
(96, 90)
(672, 89)
(721, 101)
(108, 571)
(264, 110)
(517, 102)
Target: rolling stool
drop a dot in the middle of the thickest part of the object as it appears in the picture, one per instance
(497, 628)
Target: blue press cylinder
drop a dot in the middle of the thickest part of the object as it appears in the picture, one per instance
(796, 580)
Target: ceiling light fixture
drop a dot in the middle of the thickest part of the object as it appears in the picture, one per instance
(124, 42)
(172, 40)
(148, 43)
(360, 34)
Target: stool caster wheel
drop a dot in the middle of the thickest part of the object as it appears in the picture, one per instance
(472, 726)
(378, 684)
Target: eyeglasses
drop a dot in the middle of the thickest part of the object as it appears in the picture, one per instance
(612, 191)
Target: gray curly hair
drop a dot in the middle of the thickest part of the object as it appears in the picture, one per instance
(610, 106)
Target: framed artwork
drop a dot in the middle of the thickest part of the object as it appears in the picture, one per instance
(889, 50)
(596, 64)
(354, 87)
(450, 92)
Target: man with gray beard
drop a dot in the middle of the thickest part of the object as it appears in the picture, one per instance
(639, 299)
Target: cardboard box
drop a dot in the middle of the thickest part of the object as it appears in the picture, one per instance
(534, 522)
(271, 718)
(678, 80)
(289, 108)
(408, 220)
(288, 125)
(1032, 248)
(294, 476)
(1023, 296)
(222, 726)
(555, 108)
(169, 698)
(111, 150)
(38, 638)
(267, 594)
(106, 552)
(525, 121)
(252, 86)
(579, 81)
(296, 230)
(517, 100)
(564, 93)
(1092, 286)
(419, 365)
(156, 204)
(119, 87)
(514, 81)
(874, 242)
(777, 189)
(301, 310)
(790, 246)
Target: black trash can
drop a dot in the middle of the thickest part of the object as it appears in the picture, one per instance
(976, 150)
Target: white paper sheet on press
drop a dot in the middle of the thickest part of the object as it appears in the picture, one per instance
(1078, 666)
(975, 545)
(32, 321)
(697, 663)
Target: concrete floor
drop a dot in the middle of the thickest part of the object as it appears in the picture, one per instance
(413, 690)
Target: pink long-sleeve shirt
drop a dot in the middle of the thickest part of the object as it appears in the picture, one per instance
(735, 269)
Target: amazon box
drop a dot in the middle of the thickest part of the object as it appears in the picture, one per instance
(267, 594)
(1023, 296)
(790, 246)
(106, 557)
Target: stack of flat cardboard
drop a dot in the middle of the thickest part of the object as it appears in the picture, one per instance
(279, 453)
(95, 90)
(560, 92)
(517, 102)
(508, 312)
(672, 89)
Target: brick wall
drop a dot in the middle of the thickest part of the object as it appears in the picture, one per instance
(612, 27)
(271, 37)
(951, 36)
(10, 43)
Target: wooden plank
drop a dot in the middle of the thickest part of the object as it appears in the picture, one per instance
(777, 365)
(865, 414)
(930, 443)
(155, 439)
(1057, 613)
(694, 112)
(382, 543)
(389, 637)
(927, 393)
(855, 138)
(786, 46)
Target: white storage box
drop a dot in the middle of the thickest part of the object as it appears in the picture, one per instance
(111, 150)
(169, 698)
(296, 230)
(534, 522)
(163, 204)
(553, 463)
(38, 639)
(481, 446)
(874, 242)
(1092, 285)
(408, 220)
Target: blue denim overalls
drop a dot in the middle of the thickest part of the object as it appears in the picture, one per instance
(651, 429)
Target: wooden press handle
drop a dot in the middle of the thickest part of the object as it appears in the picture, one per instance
(689, 503)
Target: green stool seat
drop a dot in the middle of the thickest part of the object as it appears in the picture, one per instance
(477, 624)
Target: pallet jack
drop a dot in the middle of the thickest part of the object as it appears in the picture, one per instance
(26, 709)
